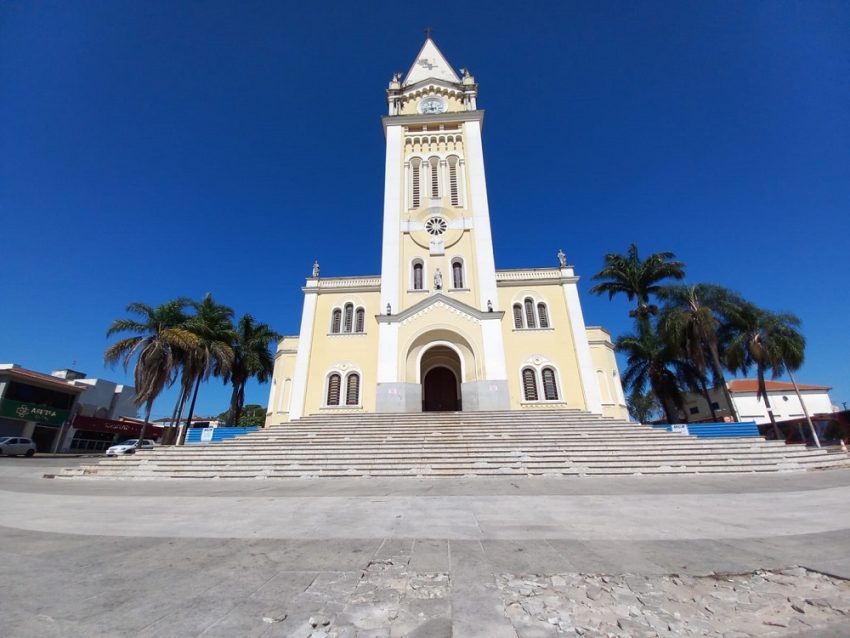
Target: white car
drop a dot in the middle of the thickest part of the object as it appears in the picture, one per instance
(14, 445)
(130, 447)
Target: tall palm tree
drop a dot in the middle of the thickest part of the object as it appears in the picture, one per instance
(770, 342)
(637, 278)
(252, 357)
(213, 355)
(160, 340)
(642, 406)
(689, 320)
(652, 361)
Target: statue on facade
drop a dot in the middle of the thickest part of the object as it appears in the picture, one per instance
(562, 258)
(438, 280)
(315, 268)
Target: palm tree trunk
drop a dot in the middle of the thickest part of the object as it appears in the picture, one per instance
(148, 408)
(763, 392)
(717, 371)
(191, 412)
(704, 388)
(175, 417)
(240, 401)
(235, 408)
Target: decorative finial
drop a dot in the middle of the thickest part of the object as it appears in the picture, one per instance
(315, 268)
(489, 306)
(389, 309)
(428, 32)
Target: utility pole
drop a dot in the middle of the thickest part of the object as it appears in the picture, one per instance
(805, 410)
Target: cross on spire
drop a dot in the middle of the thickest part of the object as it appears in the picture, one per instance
(428, 32)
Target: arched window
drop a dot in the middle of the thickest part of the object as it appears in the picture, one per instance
(352, 389)
(542, 315)
(333, 389)
(349, 317)
(529, 384)
(336, 321)
(550, 385)
(435, 177)
(457, 273)
(415, 179)
(454, 193)
(517, 316)
(529, 314)
(417, 275)
(359, 320)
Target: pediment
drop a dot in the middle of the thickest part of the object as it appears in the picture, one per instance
(440, 301)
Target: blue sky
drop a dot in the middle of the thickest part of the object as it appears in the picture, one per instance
(156, 149)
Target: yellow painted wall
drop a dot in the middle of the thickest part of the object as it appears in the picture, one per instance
(555, 344)
(606, 373)
(284, 373)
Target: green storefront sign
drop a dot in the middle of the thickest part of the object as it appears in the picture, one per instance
(42, 414)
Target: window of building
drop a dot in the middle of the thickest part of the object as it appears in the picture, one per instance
(418, 269)
(715, 405)
(457, 273)
(336, 321)
(352, 389)
(415, 178)
(550, 385)
(517, 316)
(694, 410)
(435, 177)
(542, 315)
(529, 384)
(349, 317)
(454, 193)
(529, 313)
(333, 389)
(360, 320)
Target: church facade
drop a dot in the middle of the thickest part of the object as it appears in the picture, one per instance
(441, 328)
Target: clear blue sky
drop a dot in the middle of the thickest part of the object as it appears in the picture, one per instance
(161, 148)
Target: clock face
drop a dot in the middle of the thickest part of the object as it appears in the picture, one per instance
(432, 105)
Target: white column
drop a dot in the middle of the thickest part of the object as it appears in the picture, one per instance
(391, 247)
(485, 263)
(589, 384)
(494, 351)
(388, 352)
(302, 359)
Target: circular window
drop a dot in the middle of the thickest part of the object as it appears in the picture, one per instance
(436, 226)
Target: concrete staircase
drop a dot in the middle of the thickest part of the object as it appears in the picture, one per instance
(453, 444)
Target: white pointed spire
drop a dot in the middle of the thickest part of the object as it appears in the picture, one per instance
(430, 64)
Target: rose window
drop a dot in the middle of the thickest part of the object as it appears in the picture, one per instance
(436, 226)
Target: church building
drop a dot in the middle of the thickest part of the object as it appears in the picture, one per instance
(441, 329)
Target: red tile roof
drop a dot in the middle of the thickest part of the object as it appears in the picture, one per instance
(752, 385)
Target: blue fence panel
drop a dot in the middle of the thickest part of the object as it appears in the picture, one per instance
(218, 434)
(741, 429)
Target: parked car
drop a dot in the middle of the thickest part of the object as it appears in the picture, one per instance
(14, 445)
(129, 447)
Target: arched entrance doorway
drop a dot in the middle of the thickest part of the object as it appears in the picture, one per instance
(441, 373)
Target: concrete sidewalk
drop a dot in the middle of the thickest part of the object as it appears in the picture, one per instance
(245, 558)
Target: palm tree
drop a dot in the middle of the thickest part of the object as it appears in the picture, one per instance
(160, 340)
(653, 362)
(689, 320)
(252, 357)
(213, 355)
(637, 278)
(643, 406)
(769, 341)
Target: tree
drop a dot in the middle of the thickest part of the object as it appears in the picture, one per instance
(689, 320)
(213, 355)
(653, 362)
(770, 342)
(160, 340)
(252, 358)
(636, 278)
(252, 415)
(643, 406)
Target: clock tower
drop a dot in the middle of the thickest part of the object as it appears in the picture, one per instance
(437, 244)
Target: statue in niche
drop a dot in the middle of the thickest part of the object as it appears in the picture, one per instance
(562, 258)
(438, 280)
(315, 268)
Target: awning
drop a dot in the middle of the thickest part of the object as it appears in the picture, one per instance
(132, 428)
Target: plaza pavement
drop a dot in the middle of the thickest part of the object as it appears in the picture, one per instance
(264, 557)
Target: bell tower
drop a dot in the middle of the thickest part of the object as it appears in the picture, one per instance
(436, 228)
